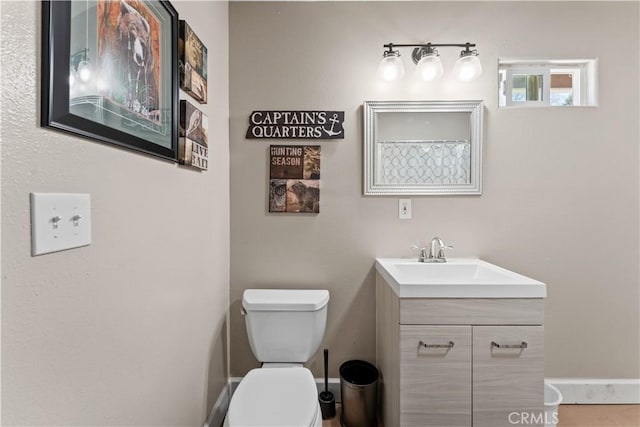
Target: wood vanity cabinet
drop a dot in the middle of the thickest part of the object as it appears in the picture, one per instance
(439, 366)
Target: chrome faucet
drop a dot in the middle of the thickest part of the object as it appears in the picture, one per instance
(436, 251)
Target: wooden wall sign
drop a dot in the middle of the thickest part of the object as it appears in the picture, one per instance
(193, 143)
(294, 184)
(296, 125)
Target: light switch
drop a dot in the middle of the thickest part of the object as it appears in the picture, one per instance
(59, 221)
(404, 208)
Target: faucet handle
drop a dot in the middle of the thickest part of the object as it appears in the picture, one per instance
(423, 252)
(441, 251)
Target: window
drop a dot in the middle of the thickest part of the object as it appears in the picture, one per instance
(556, 83)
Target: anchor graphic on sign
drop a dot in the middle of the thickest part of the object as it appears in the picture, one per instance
(333, 121)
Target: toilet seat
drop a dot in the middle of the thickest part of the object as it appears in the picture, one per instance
(278, 397)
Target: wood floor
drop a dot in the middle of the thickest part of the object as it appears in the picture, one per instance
(599, 416)
(335, 422)
(572, 416)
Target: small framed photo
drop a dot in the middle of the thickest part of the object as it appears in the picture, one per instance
(193, 63)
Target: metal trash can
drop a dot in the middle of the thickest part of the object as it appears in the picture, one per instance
(359, 389)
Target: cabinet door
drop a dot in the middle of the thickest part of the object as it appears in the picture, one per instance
(435, 380)
(508, 376)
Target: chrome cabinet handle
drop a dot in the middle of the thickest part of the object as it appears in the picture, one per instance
(425, 345)
(522, 345)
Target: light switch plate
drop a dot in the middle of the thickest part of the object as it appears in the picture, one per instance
(59, 221)
(404, 208)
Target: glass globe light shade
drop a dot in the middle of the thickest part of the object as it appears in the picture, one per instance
(72, 77)
(467, 68)
(84, 71)
(391, 67)
(429, 67)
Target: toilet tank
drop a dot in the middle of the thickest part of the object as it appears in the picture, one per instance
(285, 325)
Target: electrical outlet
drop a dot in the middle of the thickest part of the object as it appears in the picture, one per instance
(404, 208)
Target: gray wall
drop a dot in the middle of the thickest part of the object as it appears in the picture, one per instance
(132, 329)
(561, 186)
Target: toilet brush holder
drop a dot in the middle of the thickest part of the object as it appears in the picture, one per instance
(327, 405)
(326, 398)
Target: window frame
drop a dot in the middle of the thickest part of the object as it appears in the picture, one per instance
(527, 71)
(584, 78)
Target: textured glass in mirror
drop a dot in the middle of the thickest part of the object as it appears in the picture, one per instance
(424, 162)
(423, 148)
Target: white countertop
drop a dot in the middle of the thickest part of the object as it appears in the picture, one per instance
(457, 278)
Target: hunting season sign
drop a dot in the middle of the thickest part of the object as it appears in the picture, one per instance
(296, 125)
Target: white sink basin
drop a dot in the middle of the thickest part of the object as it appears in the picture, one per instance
(457, 278)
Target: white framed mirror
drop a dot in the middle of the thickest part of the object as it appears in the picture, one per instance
(423, 147)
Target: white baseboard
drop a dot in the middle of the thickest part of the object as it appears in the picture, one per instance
(219, 410)
(597, 391)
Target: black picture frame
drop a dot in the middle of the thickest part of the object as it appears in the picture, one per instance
(55, 100)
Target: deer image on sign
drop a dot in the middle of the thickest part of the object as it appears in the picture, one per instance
(296, 125)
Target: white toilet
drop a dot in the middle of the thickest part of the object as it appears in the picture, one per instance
(285, 329)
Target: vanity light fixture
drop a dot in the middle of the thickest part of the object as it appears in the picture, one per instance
(429, 66)
(391, 67)
(468, 67)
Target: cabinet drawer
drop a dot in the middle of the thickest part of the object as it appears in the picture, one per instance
(447, 311)
(507, 380)
(435, 382)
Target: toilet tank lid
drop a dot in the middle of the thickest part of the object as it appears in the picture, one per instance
(284, 299)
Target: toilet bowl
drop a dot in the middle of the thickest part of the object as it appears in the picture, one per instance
(277, 397)
(285, 328)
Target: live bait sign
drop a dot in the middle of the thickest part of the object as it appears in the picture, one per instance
(296, 125)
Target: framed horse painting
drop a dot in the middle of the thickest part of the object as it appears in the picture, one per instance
(109, 72)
